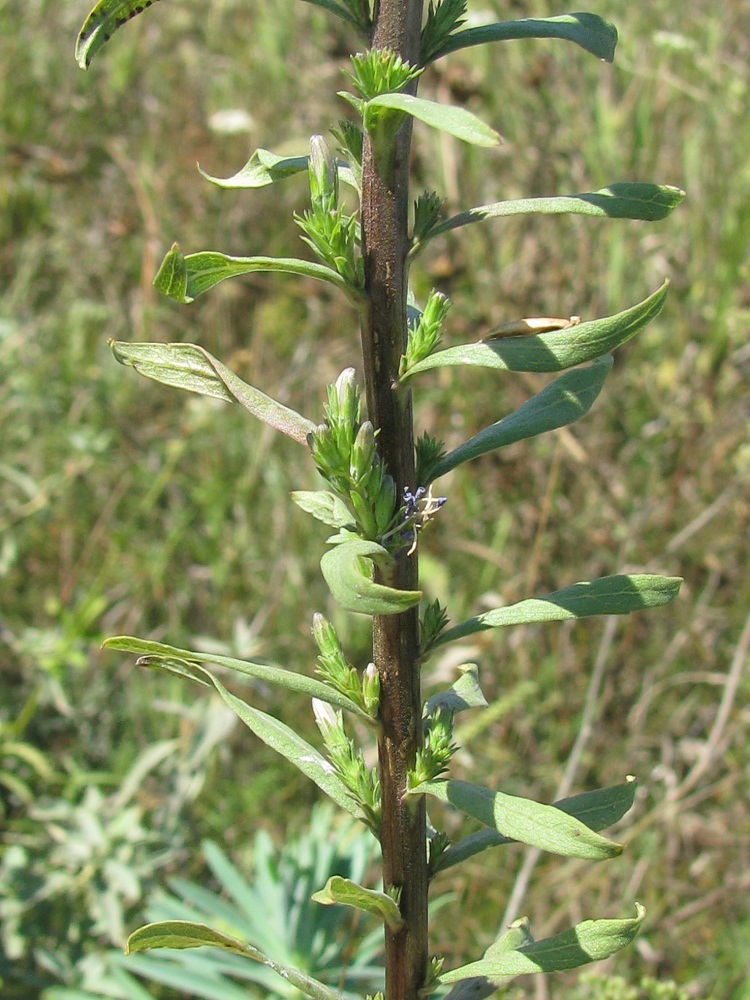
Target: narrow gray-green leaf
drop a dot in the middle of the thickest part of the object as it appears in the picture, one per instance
(555, 350)
(103, 21)
(348, 569)
(347, 893)
(170, 657)
(264, 168)
(592, 33)
(187, 366)
(609, 595)
(198, 272)
(623, 200)
(456, 121)
(289, 744)
(598, 809)
(529, 822)
(181, 934)
(324, 506)
(562, 402)
(462, 694)
(589, 941)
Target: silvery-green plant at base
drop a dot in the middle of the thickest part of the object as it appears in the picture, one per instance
(379, 498)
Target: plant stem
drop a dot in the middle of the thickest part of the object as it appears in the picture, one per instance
(385, 203)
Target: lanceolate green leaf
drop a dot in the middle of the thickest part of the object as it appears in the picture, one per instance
(592, 33)
(590, 941)
(609, 595)
(347, 569)
(155, 654)
(553, 351)
(456, 121)
(185, 278)
(103, 21)
(289, 744)
(347, 893)
(546, 827)
(180, 934)
(626, 200)
(264, 168)
(562, 402)
(598, 809)
(187, 366)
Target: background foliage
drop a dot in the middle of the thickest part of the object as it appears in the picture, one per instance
(128, 509)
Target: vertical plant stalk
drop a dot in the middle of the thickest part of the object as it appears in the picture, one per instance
(385, 203)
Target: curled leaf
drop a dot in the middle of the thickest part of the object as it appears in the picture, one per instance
(347, 893)
(348, 571)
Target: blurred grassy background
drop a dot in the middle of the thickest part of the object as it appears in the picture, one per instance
(128, 508)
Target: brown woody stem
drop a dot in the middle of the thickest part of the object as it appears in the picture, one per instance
(385, 241)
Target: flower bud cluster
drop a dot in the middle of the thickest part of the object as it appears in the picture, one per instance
(380, 71)
(362, 784)
(344, 451)
(437, 749)
(333, 667)
(433, 621)
(424, 335)
(426, 214)
(331, 233)
(428, 452)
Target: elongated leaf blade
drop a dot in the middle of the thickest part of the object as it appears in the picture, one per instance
(187, 366)
(264, 168)
(623, 200)
(103, 21)
(520, 819)
(598, 809)
(457, 122)
(182, 934)
(159, 654)
(621, 594)
(286, 742)
(553, 351)
(347, 570)
(561, 403)
(592, 33)
(347, 893)
(589, 941)
(195, 274)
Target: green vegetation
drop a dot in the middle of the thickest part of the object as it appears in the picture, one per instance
(125, 508)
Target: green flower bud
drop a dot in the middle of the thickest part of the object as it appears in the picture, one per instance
(325, 635)
(371, 689)
(385, 505)
(324, 176)
(363, 452)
